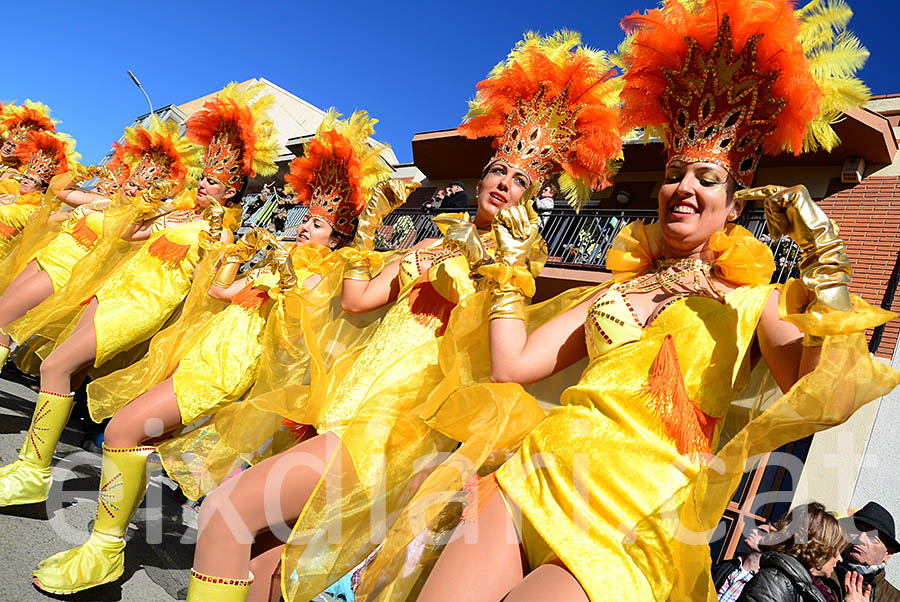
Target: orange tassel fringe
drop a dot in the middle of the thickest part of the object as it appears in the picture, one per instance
(7, 231)
(478, 490)
(250, 298)
(428, 306)
(299, 430)
(83, 234)
(165, 250)
(690, 427)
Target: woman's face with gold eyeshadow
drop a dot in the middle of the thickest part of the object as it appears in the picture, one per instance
(696, 200)
(29, 184)
(214, 188)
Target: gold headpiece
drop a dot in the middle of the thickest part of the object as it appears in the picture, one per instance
(160, 152)
(339, 170)
(46, 155)
(727, 80)
(240, 141)
(118, 173)
(551, 107)
(19, 121)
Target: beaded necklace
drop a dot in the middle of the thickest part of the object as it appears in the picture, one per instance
(674, 276)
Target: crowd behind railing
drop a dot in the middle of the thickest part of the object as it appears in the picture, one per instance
(576, 240)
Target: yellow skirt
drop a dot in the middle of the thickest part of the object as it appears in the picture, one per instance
(59, 257)
(222, 365)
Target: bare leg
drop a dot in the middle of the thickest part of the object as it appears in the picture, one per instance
(265, 564)
(25, 292)
(482, 563)
(548, 583)
(273, 491)
(73, 355)
(147, 417)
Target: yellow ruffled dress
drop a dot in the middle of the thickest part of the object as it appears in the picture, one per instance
(135, 301)
(603, 480)
(374, 405)
(14, 217)
(77, 237)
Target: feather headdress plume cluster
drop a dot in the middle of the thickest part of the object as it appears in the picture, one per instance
(19, 120)
(339, 169)
(724, 81)
(552, 106)
(45, 154)
(240, 139)
(119, 171)
(160, 152)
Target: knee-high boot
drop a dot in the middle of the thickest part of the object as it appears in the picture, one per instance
(123, 483)
(204, 588)
(27, 480)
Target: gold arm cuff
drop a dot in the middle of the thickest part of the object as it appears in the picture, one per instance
(226, 274)
(357, 270)
(507, 304)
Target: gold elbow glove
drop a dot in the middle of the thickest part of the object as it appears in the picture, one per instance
(148, 203)
(462, 235)
(387, 196)
(281, 257)
(236, 254)
(215, 217)
(824, 268)
(82, 173)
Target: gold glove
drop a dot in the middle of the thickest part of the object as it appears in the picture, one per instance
(824, 268)
(82, 173)
(462, 235)
(516, 231)
(215, 217)
(387, 196)
(148, 203)
(236, 254)
(281, 257)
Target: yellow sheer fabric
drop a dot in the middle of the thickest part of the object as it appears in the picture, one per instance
(608, 493)
(36, 234)
(59, 256)
(382, 406)
(253, 430)
(14, 217)
(43, 327)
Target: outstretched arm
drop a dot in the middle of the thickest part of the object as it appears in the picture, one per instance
(360, 296)
(781, 344)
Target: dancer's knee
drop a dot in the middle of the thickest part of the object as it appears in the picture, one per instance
(221, 524)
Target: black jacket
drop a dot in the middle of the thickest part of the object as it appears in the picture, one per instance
(781, 578)
(882, 591)
(460, 200)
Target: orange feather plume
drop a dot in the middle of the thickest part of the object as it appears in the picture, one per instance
(44, 155)
(31, 116)
(141, 142)
(661, 42)
(565, 91)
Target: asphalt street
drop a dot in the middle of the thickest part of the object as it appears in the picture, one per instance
(160, 540)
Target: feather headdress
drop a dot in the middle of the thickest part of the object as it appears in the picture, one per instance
(240, 140)
(119, 170)
(339, 169)
(45, 154)
(725, 81)
(551, 107)
(160, 152)
(20, 120)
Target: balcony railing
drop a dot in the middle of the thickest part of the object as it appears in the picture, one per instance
(575, 240)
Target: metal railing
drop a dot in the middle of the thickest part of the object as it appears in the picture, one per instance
(575, 240)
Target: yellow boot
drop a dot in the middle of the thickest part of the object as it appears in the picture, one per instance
(204, 588)
(123, 483)
(4, 354)
(27, 480)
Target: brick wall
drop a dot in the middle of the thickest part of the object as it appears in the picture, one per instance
(868, 215)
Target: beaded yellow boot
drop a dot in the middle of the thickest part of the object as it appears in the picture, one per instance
(27, 480)
(204, 588)
(101, 559)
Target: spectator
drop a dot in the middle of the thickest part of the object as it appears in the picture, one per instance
(730, 576)
(797, 556)
(872, 538)
(437, 199)
(543, 204)
(456, 197)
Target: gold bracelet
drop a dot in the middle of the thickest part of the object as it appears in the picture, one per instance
(507, 304)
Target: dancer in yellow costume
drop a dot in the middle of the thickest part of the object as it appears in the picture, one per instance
(44, 263)
(367, 408)
(42, 156)
(613, 493)
(137, 299)
(16, 123)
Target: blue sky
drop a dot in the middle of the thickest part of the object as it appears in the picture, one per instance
(413, 65)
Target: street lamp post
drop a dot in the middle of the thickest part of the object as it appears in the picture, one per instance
(138, 84)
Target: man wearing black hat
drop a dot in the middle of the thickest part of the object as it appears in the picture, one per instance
(870, 531)
(456, 197)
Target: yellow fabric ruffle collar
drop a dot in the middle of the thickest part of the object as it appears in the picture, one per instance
(740, 258)
(316, 258)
